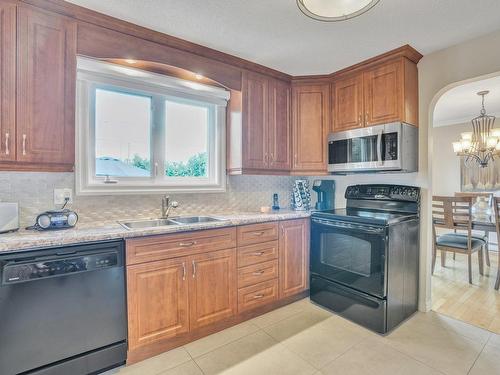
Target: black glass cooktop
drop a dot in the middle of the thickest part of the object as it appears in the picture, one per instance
(377, 217)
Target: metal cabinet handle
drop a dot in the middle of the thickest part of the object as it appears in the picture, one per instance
(194, 268)
(360, 119)
(258, 254)
(272, 156)
(24, 144)
(258, 273)
(258, 234)
(366, 119)
(156, 169)
(187, 244)
(183, 271)
(257, 296)
(7, 150)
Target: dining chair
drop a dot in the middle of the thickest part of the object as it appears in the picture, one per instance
(486, 236)
(455, 213)
(496, 206)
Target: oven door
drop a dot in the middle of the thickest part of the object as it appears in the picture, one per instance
(366, 149)
(351, 254)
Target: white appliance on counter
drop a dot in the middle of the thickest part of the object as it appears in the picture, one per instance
(381, 148)
(9, 217)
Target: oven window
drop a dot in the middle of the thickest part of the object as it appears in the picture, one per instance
(347, 253)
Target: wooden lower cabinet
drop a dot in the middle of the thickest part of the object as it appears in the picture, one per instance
(174, 299)
(294, 257)
(157, 295)
(212, 289)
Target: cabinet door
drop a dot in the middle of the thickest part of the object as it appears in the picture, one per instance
(310, 127)
(157, 298)
(8, 79)
(383, 94)
(348, 103)
(255, 118)
(212, 290)
(294, 257)
(279, 126)
(45, 87)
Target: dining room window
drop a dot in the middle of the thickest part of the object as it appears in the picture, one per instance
(141, 132)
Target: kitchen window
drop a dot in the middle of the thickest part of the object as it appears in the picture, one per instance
(141, 132)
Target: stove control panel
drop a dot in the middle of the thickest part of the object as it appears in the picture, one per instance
(383, 192)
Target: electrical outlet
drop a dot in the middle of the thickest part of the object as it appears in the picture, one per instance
(61, 194)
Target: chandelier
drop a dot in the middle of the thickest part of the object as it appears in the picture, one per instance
(482, 145)
(335, 10)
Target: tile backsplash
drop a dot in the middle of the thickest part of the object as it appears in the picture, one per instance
(35, 193)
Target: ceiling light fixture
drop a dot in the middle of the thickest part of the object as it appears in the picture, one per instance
(335, 10)
(483, 143)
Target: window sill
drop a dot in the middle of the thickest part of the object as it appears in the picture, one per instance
(116, 189)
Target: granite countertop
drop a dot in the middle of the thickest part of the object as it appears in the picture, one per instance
(29, 239)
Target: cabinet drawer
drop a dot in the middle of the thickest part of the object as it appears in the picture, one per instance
(258, 253)
(140, 250)
(257, 273)
(257, 295)
(257, 233)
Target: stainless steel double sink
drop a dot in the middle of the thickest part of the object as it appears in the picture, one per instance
(156, 223)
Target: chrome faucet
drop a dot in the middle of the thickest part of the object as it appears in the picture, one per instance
(166, 206)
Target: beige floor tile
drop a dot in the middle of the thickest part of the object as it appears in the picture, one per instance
(315, 339)
(282, 313)
(374, 357)
(435, 346)
(188, 368)
(488, 362)
(457, 326)
(158, 364)
(297, 323)
(494, 340)
(257, 353)
(209, 343)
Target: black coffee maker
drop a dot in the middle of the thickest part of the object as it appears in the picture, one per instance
(326, 194)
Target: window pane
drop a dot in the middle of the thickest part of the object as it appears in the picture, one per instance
(123, 134)
(186, 145)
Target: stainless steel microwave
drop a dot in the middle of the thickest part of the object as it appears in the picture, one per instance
(388, 147)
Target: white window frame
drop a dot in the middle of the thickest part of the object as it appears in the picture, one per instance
(94, 74)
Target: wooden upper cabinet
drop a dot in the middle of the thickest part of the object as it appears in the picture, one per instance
(8, 82)
(280, 125)
(46, 76)
(293, 257)
(213, 287)
(311, 123)
(255, 121)
(378, 93)
(157, 298)
(383, 94)
(348, 103)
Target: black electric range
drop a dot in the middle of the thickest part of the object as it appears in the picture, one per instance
(364, 258)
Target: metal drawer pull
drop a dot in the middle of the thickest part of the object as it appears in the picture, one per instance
(187, 244)
(257, 296)
(194, 269)
(183, 271)
(7, 151)
(24, 144)
(258, 273)
(260, 253)
(258, 233)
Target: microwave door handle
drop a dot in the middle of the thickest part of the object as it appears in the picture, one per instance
(379, 147)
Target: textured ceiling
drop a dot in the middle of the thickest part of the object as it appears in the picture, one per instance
(461, 104)
(276, 34)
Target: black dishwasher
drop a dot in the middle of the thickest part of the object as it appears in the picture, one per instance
(62, 310)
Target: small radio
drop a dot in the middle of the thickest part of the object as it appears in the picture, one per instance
(56, 219)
